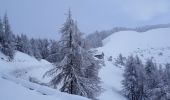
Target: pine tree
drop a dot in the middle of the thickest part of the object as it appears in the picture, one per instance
(18, 43)
(7, 43)
(166, 80)
(120, 60)
(23, 44)
(71, 71)
(151, 70)
(154, 81)
(35, 50)
(134, 82)
(167, 74)
(43, 46)
(1, 34)
(130, 82)
(141, 79)
(54, 53)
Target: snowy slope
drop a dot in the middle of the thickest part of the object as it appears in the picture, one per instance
(15, 75)
(146, 44)
(151, 44)
(16, 89)
(24, 66)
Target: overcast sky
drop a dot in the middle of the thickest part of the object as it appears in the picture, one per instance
(44, 18)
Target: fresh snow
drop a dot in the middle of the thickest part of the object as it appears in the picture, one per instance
(15, 89)
(151, 44)
(24, 66)
(146, 44)
(15, 75)
(14, 80)
(111, 77)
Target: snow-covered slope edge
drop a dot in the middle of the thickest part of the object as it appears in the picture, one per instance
(15, 75)
(30, 90)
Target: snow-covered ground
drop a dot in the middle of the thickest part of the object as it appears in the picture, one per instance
(23, 66)
(111, 77)
(154, 43)
(15, 75)
(151, 44)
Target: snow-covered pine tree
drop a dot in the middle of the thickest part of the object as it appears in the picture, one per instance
(153, 81)
(1, 34)
(141, 79)
(167, 75)
(162, 90)
(35, 50)
(24, 45)
(43, 46)
(54, 48)
(18, 43)
(133, 79)
(7, 42)
(120, 60)
(54, 53)
(130, 79)
(167, 80)
(78, 71)
(151, 70)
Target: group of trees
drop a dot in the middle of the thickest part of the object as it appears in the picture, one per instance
(75, 67)
(39, 48)
(146, 81)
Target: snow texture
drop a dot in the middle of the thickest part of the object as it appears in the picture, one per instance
(14, 80)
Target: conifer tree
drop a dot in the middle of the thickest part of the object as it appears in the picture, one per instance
(35, 50)
(24, 45)
(7, 41)
(1, 34)
(134, 82)
(54, 54)
(78, 71)
(130, 81)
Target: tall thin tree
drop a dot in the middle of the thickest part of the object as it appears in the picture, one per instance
(7, 43)
(71, 71)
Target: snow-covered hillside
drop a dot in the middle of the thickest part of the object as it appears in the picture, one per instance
(151, 44)
(23, 66)
(15, 76)
(15, 79)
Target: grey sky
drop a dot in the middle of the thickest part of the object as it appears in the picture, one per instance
(44, 18)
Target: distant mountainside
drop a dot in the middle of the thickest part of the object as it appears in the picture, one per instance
(101, 35)
(153, 44)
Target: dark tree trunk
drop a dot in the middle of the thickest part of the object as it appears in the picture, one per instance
(71, 84)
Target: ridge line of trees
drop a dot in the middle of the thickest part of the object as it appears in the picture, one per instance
(101, 35)
(39, 48)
